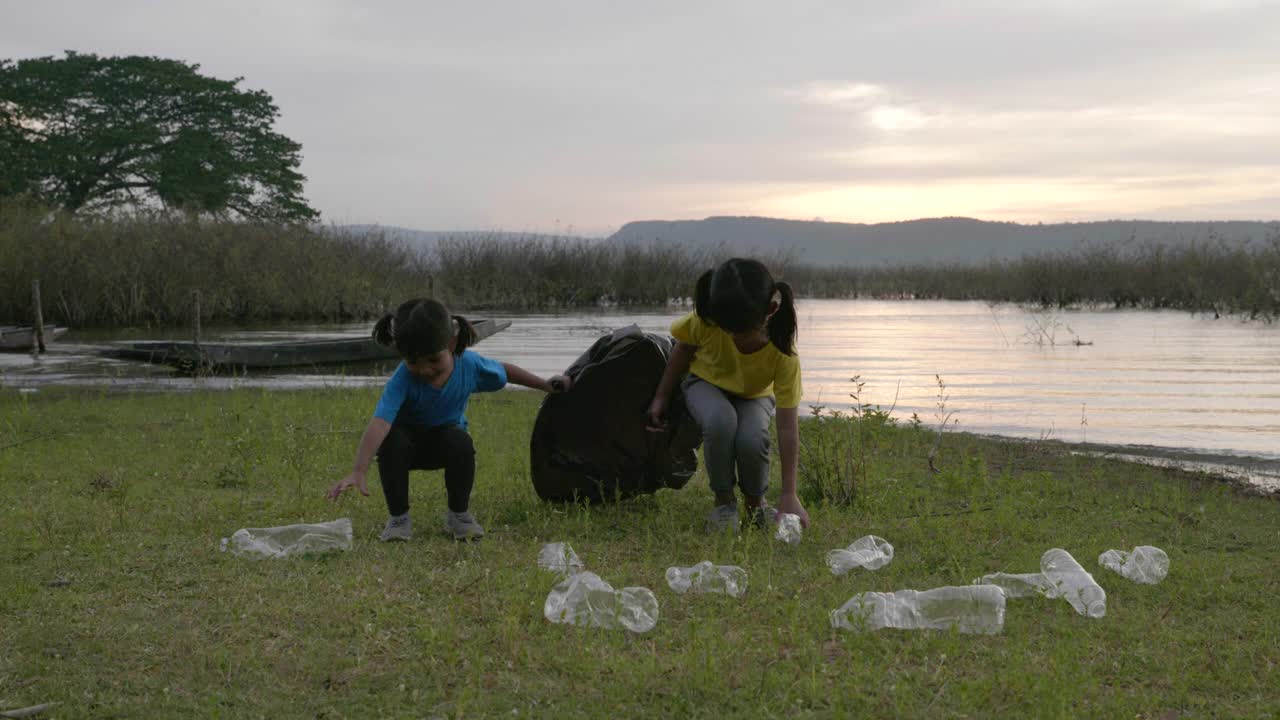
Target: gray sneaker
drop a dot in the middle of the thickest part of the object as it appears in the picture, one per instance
(724, 517)
(463, 526)
(397, 528)
(764, 517)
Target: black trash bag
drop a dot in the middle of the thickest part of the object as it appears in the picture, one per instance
(590, 444)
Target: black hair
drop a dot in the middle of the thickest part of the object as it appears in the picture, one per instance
(422, 327)
(736, 295)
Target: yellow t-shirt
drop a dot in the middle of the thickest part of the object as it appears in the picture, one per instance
(767, 371)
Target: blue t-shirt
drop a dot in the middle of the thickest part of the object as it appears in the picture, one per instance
(410, 400)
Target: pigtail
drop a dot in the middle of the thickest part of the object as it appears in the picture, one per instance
(466, 336)
(782, 325)
(702, 295)
(383, 333)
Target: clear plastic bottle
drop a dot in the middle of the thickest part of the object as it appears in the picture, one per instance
(637, 609)
(869, 552)
(789, 528)
(289, 540)
(559, 557)
(968, 608)
(1017, 585)
(1144, 564)
(1074, 583)
(705, 577)
(584, 599)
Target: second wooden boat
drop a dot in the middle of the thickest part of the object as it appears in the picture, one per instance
(21, 338)
(266, 355)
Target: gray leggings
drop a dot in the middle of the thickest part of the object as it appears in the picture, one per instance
(735, 433)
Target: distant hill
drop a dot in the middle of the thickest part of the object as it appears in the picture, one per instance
(925, 241)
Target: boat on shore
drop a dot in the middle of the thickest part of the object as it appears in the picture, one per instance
(269, 355)
(22, 338)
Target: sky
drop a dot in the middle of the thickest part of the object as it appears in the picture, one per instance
(577, 117)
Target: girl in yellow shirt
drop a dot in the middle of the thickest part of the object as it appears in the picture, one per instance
(735, 361)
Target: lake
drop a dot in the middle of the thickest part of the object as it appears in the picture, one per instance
(1163, 385)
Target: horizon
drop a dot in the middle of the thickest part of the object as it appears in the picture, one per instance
(565, 118)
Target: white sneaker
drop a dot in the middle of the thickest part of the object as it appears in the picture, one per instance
(463, 526)
(397, 528)
(724, 517)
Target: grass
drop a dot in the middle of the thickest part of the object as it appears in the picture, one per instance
(117, 603)
(1214, 277)
(142, 270)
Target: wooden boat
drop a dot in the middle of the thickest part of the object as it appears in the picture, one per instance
(265, 355)
(21, 338)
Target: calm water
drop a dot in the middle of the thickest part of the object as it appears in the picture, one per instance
(1164, 380)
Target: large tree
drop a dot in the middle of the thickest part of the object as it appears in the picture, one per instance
(84, 132)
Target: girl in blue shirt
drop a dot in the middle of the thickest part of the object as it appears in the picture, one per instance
(419, 422)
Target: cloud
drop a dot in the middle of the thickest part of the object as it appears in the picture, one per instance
(892, 118)
(514, 114)
(855, 94)
(871, 102)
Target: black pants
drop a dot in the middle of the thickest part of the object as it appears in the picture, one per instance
(414, 448)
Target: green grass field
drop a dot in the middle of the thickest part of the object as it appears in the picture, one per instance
(117, 604)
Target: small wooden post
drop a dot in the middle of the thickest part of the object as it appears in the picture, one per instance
(39, 324)
(431, 287)
(195, 317)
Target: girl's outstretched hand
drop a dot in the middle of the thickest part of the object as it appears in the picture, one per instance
(655, 415)
(354, 480)
(791, 504)
(560, 383)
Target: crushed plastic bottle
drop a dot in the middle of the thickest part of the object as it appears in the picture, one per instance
(586, 600)
(1019, 585)
(789, 529)
(559, 557)
(1074, 583)
(290, 540)
(968, 608)
(705, 577)
(637, 609)
(869, 552)
(1144, 564)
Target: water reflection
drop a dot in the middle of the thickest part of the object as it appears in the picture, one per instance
(1145, 378)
